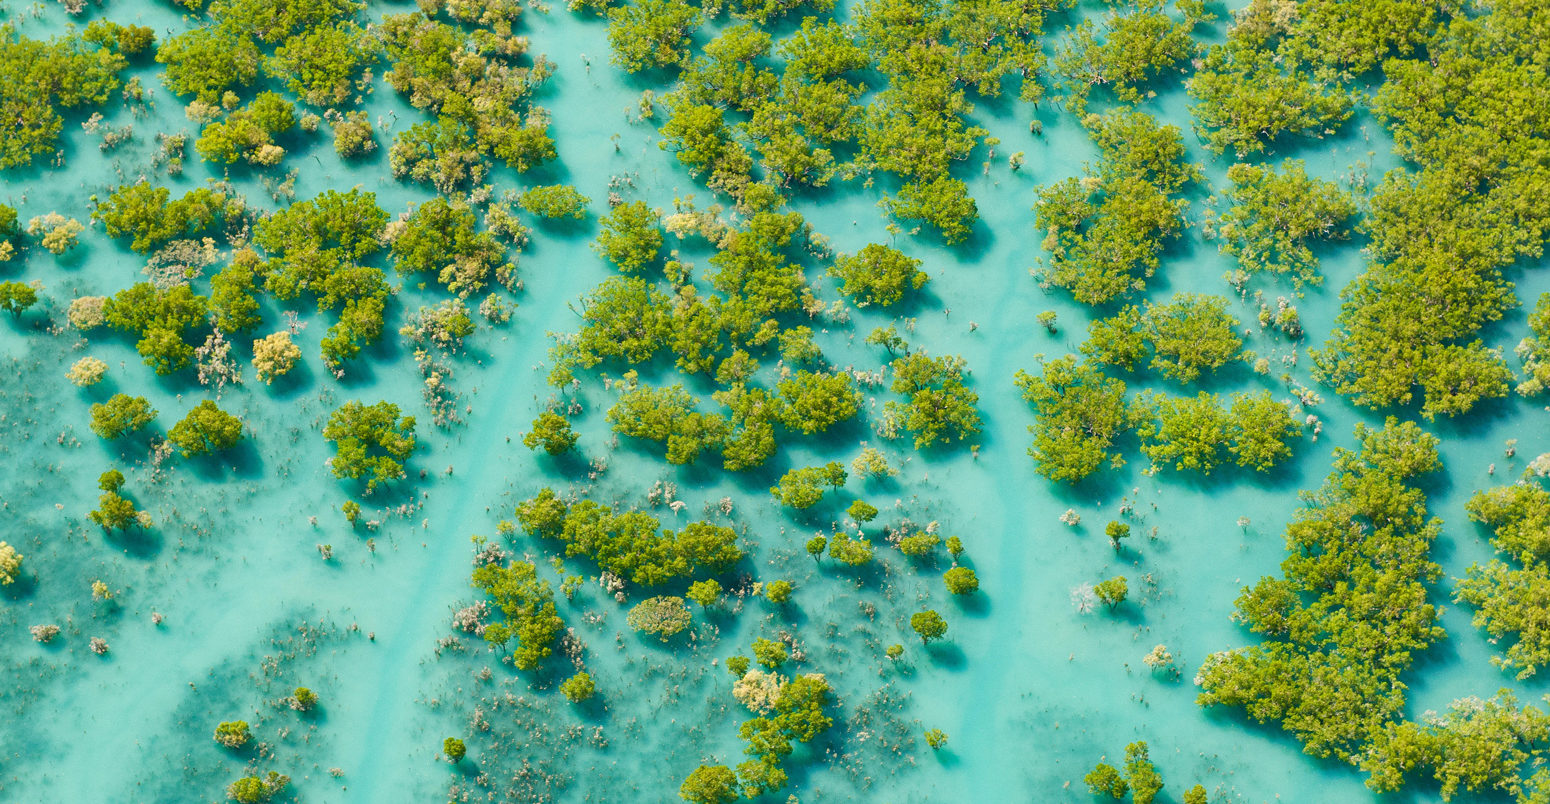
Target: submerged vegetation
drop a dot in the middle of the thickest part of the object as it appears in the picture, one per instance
(715, 427)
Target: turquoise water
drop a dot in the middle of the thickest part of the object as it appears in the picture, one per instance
(1031, 691)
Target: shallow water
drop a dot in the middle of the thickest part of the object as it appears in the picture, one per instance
(1031, 691)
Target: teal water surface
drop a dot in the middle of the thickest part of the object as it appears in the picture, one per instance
(1031, 690)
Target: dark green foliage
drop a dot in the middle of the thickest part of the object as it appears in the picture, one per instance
(877, 275)
(204, 430)
(208, 61)
(442, 239)
(940, 408)
(371, 442)
(1078, 414)
(528, 605)
(42, 78)
(631, 545)
(630, 236)
(1351, 612)
(121, 415)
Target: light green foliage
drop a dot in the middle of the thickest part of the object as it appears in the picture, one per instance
(442, 154)
(1078, 414)
(113, 511)
(316, 247)
(204, 430)
(150, 217)
(454, 749)
(919, 544)
(1145, 783)
(233, 733)
(928, 625)
(861, 511)
(1112, 591)
(662, 617)
(803, 487)
(443, 239)
(961, 581)
(551, 431)
(41, 80)
(1106, 230)
(816, 545)
(1124, 52)
(255, 790)
(936, 738)
(121, 415)
(1351, 612)
(476, 79)
(1105, 780)
(630, 236)
(1272, 216)
(353, 135)
(1507, 598)
(164, 318)
(17, 297)
(371, 442)
(1534, 350)
(527, 603)
(234, 294)
(813, 402)
(322, 64)
(624, 317)
(1479, 745)
(846, 549)
(10, 564)
(769, 653)
(303, 700)
(1196, 795)
(940, 407)
(798, 715)
(1189, 334)
(579, 687)
(631, 545)
(732, 72)
(554, 201)
(1117, 532)
(1246, 96)
(778, 592)
(710, 784)
(130, 41)
(1193, 433)
(667, 415)
(649, 34)
(877, 275)
(705, 592)
(1117, 340)
(208, 61)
